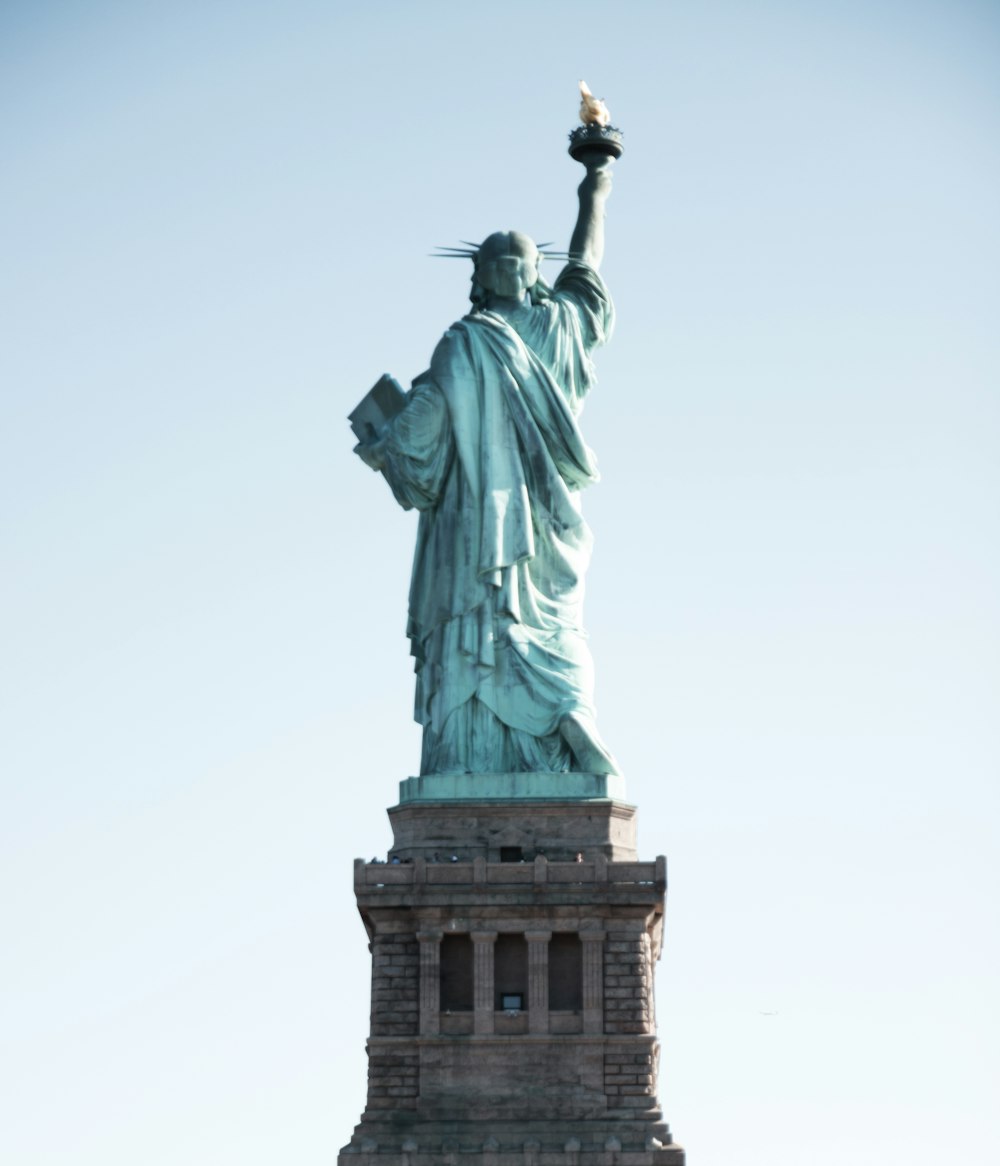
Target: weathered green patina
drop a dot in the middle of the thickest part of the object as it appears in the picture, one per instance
(488, 448)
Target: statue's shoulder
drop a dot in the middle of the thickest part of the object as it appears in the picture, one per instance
(578, 277)
(453, 334)
(453, 346)
(585, 299)
(461, 329)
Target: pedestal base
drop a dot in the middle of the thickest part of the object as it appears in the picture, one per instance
(513, 1023)
(503, 787)
(513, 830)
(546, 1144)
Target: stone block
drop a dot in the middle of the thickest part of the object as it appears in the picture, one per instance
(559, 829)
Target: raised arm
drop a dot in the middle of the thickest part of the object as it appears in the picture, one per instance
(587, 243)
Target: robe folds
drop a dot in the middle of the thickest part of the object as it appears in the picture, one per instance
(488, 449)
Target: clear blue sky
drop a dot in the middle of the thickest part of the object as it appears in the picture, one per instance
(215, 229)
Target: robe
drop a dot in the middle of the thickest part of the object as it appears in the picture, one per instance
(488, 449)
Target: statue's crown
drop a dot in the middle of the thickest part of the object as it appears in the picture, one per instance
(494, 243)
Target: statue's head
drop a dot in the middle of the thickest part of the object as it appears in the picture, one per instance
(506, 265)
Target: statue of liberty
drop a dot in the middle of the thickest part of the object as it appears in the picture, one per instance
(487, 446)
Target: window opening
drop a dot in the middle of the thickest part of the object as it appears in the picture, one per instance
(456, 973)
(565, 972)
(510, 967)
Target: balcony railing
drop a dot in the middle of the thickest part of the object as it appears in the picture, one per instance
(479, 872)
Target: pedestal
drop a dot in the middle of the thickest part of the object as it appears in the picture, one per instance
(513, 948)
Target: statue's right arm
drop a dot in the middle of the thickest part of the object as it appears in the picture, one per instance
(587, 244)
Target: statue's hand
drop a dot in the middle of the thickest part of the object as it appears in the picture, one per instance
(370, 453)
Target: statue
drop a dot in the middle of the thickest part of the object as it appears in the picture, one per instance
(486, 445)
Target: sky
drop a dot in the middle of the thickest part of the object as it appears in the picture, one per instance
(216, 229)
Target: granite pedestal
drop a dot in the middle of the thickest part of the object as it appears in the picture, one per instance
(513, 943)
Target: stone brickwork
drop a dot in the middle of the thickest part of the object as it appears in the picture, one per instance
(511, 1080)
(557, 830)
(393, 1079)
(630, 1078)
(628, 988)
(484, 1084)
(395, 985)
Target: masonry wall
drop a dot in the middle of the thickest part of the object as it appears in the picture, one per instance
(394, 1073)
(630, 1078)
(628, 985)
(511, 1079)
(576, 1066)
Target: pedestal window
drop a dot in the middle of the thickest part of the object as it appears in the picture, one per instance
(457, 977)
(565, 972)
(510, 972)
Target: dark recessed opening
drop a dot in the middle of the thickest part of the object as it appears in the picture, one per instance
(456, 973)
(510, 967)
(565, 972)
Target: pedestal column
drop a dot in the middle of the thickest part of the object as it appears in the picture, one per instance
(538, 980)
(482, 980)
(593, 981)
(430, 982)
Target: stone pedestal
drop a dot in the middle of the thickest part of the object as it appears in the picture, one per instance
(512, 1023)
(512, 831)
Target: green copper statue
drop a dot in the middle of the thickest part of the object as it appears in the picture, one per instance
(486, 445)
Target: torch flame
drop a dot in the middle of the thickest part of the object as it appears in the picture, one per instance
(593, 111)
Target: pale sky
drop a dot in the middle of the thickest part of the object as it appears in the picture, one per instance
(215, 236)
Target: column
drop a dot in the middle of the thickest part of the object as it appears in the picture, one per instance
(430, 982)
(593, 980)
(482, 980)
(538, 980)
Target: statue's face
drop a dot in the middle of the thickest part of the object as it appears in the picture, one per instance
(507, 264)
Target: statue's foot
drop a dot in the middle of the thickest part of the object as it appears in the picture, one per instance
(589, 752)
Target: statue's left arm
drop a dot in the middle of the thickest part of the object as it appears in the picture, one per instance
(587, 244)
(415, 448)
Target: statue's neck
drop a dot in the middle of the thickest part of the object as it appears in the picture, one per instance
(507, 306)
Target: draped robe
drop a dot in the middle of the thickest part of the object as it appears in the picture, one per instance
(488, 449)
